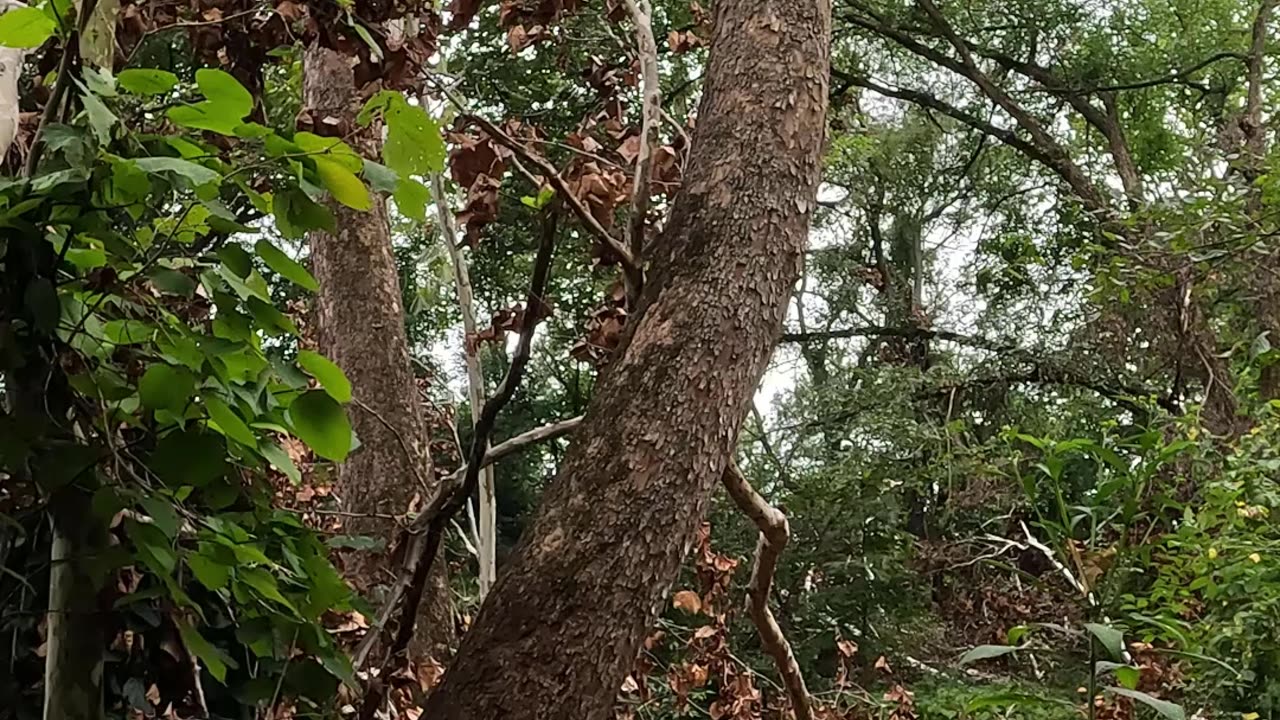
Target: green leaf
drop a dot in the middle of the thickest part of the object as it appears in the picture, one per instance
(286, 266)
(101, 119)
(189, 457)
(228, 422)
(127, 332)
(225, 106)
(1164, 707)
(211, 573)
(343, 184)
(332, 148)
(331, 377)
(296, 214)
(214, 660)
(1110, 639)
(320, 422)
(411, 198)
(1016, 633)
(281, 461)
(264, 583)
(197, 174)
(164, 387)
(171, 281)
(380, 177)
(154, 547)
(986, 652)
(147, 81)
(539, 202)
(414, 145)
(1128, 676)
(25, 27)
(162, 515)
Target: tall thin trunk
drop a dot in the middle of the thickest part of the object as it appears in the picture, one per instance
(487, 522)
(360, 323)
(562, 626)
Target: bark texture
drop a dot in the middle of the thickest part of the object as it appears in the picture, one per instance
(360, 326)
(561, 628)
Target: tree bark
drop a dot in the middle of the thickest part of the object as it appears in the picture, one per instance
(561, 628)
(360, 323)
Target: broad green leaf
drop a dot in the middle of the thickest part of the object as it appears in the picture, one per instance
(162, 515)
(147, 81)
(1110, 639)
(343, 184)
(189, 457)
(224, 108)
(25, 27)
(171, 281)
(264, 583)
(197, 174)
(127, 332)
(211, 573)
(226, 420)
(321, 423)
(281, 461)
(414, 145)
(101, 119)
(1169, 710)
(986, 652)
(214, 660)
(164, 387)
(286, 266)
(411, 198)
(333, 149)
(331, 377)
(380, 177)
(154, 547)
(296, 214)
(356, 542)
(1128, 676)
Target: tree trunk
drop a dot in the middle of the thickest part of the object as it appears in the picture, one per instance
(360, 323)
(561, 628)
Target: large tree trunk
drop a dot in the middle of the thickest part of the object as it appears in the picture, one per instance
(360, 324)
(562, 626)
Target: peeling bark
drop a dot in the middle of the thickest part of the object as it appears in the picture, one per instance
(561, 628)
(360, 322)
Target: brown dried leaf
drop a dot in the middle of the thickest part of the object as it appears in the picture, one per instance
(688, 601)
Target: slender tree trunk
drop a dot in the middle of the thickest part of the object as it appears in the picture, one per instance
(487, 522)
(360, 323)
(562, 626)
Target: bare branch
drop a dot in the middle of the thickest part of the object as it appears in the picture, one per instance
(650, 119)
(902, 332)
(774, 533)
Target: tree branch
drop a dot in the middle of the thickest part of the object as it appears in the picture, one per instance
(774, 533)
(902, 332)
(433, 522)
(650, 119)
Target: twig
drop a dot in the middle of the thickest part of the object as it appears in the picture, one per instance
(450, 501)
(774, 533)
(650, 119)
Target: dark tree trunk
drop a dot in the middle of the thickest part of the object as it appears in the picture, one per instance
(360, 326)
(561, 628)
